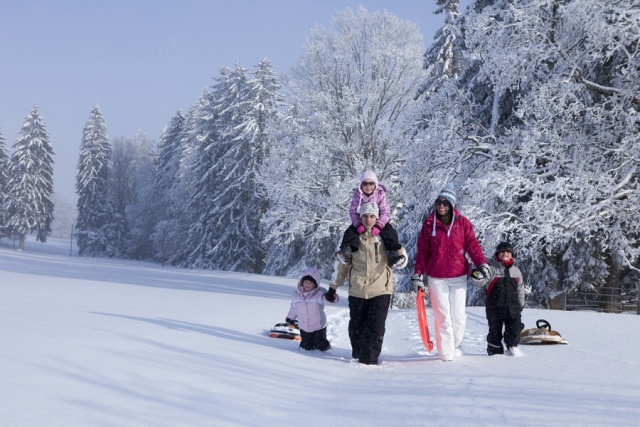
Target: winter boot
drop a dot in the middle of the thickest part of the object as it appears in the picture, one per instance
(344, 255)
(514, 351)
(493, 349)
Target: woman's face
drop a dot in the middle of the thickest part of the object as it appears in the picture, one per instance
(368, 186)
(443, 206)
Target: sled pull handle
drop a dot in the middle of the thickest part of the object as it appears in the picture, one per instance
(543, 324)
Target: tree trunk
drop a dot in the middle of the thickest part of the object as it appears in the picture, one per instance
(23, 237)
(610, 300)
(557, 295)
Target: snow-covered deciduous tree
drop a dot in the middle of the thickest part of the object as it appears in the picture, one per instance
(142, 215)
(349, 93)
(540, 132)
(30, 187)
(65, 217)
(92, 187)
(131, 184)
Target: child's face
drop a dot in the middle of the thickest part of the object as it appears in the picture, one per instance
(308, 285)
(368, 187)
(504, 256)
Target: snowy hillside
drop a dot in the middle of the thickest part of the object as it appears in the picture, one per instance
(96, 342)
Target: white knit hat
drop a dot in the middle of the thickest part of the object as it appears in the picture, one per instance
(370, 208)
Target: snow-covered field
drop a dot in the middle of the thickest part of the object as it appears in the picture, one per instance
(96, 342)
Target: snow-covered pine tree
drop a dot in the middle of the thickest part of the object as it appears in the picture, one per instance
(242, 197)
(203, 131)
(4, 179)
(349, 94)
(94, 211)
(169, 155)
(232, 142)
(443, 59)
(30, 187)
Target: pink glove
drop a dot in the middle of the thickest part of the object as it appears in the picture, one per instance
(360, 229)
(375, 230)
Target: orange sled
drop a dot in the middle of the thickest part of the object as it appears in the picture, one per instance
(422, 321)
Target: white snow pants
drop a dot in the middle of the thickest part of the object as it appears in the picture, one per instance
(448, 301)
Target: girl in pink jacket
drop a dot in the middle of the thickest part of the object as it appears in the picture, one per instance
(307, 306)
(371, 191)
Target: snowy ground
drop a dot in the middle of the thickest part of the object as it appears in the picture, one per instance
(95, 342)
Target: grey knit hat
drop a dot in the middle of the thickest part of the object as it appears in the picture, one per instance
(449, 193)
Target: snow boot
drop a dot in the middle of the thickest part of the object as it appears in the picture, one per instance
(493, 350)
(514, 351)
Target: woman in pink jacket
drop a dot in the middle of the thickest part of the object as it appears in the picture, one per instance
(307, 306)
(445, 238)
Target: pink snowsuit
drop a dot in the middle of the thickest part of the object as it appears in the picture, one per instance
(379, 197)
(308, 307)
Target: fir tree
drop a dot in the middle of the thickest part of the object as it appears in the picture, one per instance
(241, 197)
(30, 187)
(168, 197)
(203, 136)
(92, 186)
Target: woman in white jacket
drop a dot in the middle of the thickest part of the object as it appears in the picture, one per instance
(307, 306)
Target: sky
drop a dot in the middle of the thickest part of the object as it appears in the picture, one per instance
(103, 342)
(141, 60)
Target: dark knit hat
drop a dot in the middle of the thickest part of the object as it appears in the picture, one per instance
(505, 247)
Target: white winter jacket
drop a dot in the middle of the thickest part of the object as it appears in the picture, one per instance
(308, 308)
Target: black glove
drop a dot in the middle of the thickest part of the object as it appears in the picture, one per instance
(290, 321)
(330, 295)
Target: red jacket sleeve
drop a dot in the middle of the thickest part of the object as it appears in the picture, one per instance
(472, 246)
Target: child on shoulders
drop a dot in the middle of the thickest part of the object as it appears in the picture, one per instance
(370, 190)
